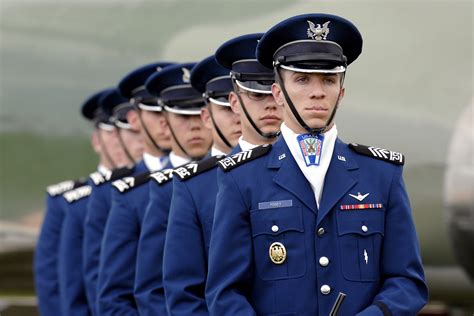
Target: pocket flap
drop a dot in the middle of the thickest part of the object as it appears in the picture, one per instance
(276, 221)
(363, 227)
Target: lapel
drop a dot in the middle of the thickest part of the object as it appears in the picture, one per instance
(340, 177)
(289, 175)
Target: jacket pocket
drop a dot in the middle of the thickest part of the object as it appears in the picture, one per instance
(360, 242)
(283, 226)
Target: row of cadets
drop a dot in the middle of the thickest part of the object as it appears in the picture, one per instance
(191, 140)
(74, 300)
(290, 234)
(137, 122)
(130, 195)
(60, 200)
(248, 91)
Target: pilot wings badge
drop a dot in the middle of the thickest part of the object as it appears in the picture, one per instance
(186, 75)
(318, 32)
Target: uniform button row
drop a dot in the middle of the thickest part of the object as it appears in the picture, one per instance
(321, 231)
(323, 261)
(325, 289)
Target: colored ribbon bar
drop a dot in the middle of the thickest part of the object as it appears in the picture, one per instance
(347, 207)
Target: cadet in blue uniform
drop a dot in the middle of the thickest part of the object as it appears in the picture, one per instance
(47, 248)
(122, 229)
(71, 282)
(308, 222)
(135, 135)
(192, 206)
(190, 140)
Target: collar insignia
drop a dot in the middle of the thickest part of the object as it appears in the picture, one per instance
(318, 32)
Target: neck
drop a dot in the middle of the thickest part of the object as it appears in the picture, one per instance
(221, 147)
(254, 138)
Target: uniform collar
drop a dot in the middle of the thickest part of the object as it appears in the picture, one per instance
(177, 161)
(154, 163)
(245, 145)
(216, 152)
(290, 138)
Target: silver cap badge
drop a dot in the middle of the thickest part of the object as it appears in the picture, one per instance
(186, 75)
(318, 32)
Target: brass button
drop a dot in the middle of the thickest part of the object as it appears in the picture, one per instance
(364, 228)
(321, 231)
(323, 261)
(275, 228)
(325, 289)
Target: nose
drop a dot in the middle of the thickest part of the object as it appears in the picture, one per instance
(270, 103)
(195, 122)
(317, 90)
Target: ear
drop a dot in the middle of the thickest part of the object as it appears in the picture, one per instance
(132, 118)
(277, 94)
(234, 103)
(206, 117)
(95, 141)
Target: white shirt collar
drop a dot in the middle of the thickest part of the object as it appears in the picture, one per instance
(245, 145)
(153, 163)
(216, 152)
(177, 161)
(314, 174)
(104, 171)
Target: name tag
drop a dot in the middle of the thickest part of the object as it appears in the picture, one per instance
(275, 204)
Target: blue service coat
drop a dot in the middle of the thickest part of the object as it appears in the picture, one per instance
(149, 292)
(71, 275)
(97, 212)
(269, 200)
(119, 250)
(187, 242)
(46, 257)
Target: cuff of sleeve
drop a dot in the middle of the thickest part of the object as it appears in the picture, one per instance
(372, 310)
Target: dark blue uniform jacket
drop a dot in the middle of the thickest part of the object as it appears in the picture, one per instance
(97, 212)
(187, 242)
(373, 253)
(46, 257)
(119, 251)
(71, 274)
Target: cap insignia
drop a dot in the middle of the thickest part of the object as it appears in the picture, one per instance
(186, 75)
(318, 32)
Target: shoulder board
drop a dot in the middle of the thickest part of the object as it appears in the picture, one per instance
(194, 168)
(127, 183)
(163, 176)
(78, 193)
(233, 161)
(62, 187)
(98, 178)
(379, 153)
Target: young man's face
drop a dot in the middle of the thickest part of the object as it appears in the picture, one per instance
(314, 96)
(262, 108)
(113, 148)
(226, 120)
(190, 133)
(156, 124)
(133, 141)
